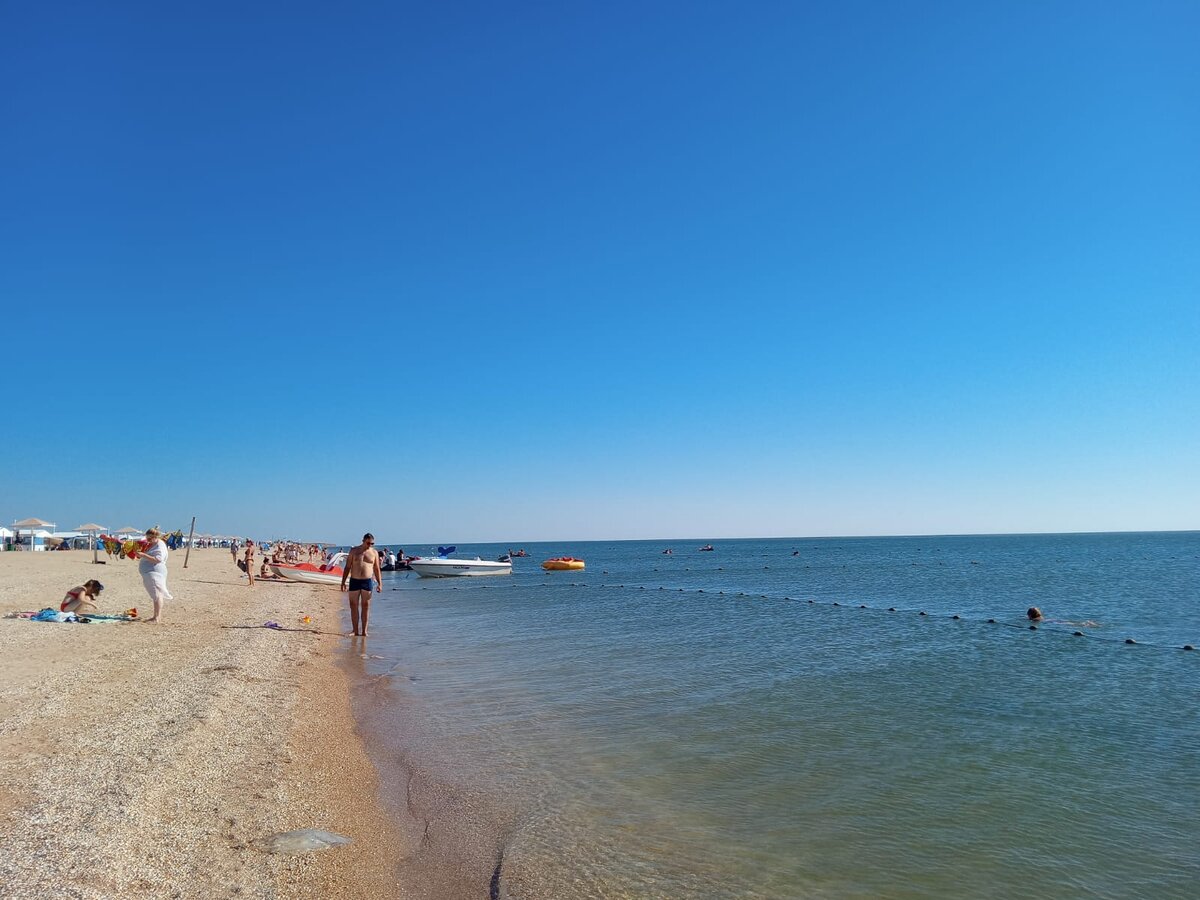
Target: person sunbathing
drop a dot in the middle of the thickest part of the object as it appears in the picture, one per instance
(80, 599)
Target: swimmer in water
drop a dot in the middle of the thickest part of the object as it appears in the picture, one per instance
(1035, 615)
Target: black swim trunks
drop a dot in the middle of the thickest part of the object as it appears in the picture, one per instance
(362, 584)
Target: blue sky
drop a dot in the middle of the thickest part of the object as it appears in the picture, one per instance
(459, 272)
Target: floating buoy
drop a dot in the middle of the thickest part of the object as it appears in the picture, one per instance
(811, 601)
(862, 606)
(1077, 633)
(1130, 641)
(835, 603)
(1033, 628)
(1188, 647)
(891, 609)
(922, 612)
(956, 616)
(991, 621)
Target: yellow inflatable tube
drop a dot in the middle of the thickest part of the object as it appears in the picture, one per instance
(562, 564)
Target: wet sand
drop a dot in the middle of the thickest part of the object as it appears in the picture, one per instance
(144, 760)
(459, 833)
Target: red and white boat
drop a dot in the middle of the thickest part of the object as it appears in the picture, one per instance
(330, 573)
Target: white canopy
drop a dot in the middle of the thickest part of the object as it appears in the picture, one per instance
(32, 523)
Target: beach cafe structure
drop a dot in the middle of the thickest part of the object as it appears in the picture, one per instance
(36, 529)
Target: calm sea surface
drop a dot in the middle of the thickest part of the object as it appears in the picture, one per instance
(691, 725)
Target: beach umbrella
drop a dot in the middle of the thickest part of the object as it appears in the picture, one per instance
(129, 529)
(31, 525)
(92, 529)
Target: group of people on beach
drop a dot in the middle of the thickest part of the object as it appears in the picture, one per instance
(361, 577)
(152, 566)
(285, 552)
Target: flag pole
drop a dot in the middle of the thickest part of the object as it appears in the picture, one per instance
(187, 554)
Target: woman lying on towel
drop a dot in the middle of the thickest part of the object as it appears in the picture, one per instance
(80, 599)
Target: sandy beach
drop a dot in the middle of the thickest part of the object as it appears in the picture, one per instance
(156, 760)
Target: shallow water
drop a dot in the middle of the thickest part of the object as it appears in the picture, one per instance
(692, 726)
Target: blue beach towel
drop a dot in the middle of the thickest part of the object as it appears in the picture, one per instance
(52, 615)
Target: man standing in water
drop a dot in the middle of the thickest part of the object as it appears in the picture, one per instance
(363, 571)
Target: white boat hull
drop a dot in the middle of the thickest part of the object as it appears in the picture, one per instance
(455, 568)
(307, 576)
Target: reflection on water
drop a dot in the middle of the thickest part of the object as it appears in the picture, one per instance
(692, 726)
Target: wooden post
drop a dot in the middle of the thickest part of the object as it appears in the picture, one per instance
(188, 553)
(95, 561)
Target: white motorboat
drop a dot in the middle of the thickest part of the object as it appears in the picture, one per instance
(330, 573)
(444, 567)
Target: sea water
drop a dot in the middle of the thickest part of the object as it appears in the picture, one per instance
(836, 717)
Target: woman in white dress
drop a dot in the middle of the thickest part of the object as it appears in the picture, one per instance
(152, 564)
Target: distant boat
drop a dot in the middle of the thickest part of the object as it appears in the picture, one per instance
(706, 547)
(444, 567)
(330, 573)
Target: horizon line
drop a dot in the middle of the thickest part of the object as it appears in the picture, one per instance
(826, 537)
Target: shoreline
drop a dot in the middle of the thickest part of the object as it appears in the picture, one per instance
(456, 834)
(144, 760)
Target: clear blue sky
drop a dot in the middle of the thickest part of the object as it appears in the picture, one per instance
(457, 272)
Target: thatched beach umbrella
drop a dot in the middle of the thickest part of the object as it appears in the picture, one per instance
(129, 529)
(92, 529)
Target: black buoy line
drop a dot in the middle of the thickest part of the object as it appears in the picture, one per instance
(813, 602)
